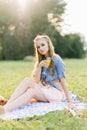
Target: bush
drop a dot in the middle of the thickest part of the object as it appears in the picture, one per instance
(28, 58)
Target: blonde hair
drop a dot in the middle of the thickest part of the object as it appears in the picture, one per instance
(51, 52)
(50, 45)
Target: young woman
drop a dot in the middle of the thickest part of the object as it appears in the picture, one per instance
(49, 84)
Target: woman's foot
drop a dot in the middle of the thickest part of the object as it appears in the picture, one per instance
(2, 110)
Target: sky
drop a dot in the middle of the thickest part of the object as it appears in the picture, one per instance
(75, 18)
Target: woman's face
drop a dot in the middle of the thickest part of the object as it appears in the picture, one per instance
(42, 47)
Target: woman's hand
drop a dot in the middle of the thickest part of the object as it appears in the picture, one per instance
(72, 102)
(43, 64)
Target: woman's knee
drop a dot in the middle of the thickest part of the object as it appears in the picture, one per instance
(29, 82)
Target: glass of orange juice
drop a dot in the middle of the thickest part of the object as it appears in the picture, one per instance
(48, 61)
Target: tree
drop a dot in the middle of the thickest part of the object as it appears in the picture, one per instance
(17, 30)
(75, 46)
(7, 20)
(37, 17)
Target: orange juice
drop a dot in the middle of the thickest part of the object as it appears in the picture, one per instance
(48, 60)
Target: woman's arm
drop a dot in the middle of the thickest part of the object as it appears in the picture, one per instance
(37, 74)
(65, 88)
(60, 68)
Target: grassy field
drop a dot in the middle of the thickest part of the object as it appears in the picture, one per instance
(13, 72)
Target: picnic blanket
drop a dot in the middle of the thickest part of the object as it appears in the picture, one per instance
(39, 108)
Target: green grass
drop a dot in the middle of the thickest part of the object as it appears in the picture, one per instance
(13, 72)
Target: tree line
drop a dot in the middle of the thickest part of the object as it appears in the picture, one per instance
(18, 29)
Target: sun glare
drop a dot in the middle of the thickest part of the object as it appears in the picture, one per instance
(22, 5)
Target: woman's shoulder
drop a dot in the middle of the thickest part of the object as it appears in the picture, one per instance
(57, 57)
(58, 60)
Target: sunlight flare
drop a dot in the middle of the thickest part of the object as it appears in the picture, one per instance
(22, 5)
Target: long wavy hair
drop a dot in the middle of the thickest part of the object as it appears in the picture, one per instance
(51, 52)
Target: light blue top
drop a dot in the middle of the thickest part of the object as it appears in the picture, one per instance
(58, 74)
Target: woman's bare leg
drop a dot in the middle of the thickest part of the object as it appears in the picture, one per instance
(22, 88)
(24, 98)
